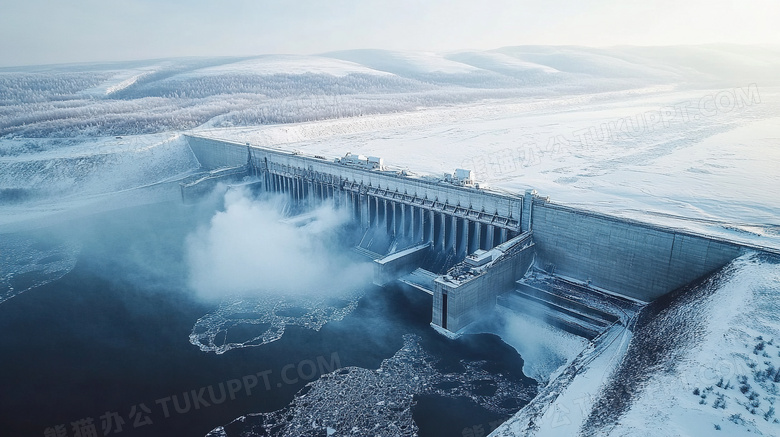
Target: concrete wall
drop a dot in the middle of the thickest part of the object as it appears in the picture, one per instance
(468, 300)
(623, 256)
(390, 267)
(217, 154)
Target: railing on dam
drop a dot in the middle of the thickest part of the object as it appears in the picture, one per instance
(402, 215)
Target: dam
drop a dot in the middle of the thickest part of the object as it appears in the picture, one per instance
(473, 248)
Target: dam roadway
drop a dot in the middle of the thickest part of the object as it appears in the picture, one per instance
(494, 238)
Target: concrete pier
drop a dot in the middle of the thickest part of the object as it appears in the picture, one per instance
(471, 288)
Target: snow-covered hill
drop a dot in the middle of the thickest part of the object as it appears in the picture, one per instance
(176, 94)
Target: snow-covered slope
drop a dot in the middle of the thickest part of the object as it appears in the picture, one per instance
(724, 379)
(43, 178)
(700, 362)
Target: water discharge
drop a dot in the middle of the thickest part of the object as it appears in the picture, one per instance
(248, 249)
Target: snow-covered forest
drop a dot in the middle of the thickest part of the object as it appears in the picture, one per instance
(178, 94)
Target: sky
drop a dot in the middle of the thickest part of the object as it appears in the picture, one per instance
(53, 31)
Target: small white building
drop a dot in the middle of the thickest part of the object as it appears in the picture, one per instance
(376, 162)
(367, 162)
(461, 177)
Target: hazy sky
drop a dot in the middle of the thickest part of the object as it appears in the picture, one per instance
(49, 31)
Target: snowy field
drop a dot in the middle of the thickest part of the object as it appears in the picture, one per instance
(686, 137)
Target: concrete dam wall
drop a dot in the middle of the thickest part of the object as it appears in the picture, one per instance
(451, 218)
(494, 236)
(634, 259)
